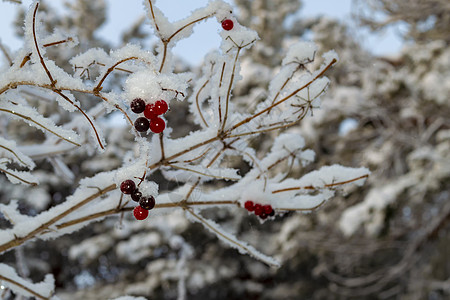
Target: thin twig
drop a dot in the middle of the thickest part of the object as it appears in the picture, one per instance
(52, 81)
(198, 104)
(14, 153)
(248, 119)
(310, 187)
(36, 294)
(37, 123)
(19, 178)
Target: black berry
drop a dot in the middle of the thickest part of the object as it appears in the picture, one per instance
(137, 105)
(147, 202)
(141, 124)
(136, 195)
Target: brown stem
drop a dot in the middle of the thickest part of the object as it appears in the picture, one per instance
(153, 15)
(98, 88)
(84, 114)
(161, 144)
(35, 122)
(19, 178)
(124, 209)
(310, 187)
(35, 294)
(37, 47)
(220, 85)
(229, 89)
(167, 41)
(198, 104)
(58, 42)
(248, 119)
(14, 153)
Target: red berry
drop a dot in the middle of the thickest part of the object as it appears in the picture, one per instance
(127, 186)
(227, 24)
(141, 124)
(157, 125)
(263, 216)
(136, 195)
(150, 111)
(249, 205)
(258, 209)
(161, 107)
(147, 202)
(267, 209)
(137, 105)
(140, 213)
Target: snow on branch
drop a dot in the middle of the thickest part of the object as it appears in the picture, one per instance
(41, 290)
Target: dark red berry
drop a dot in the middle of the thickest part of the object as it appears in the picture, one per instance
(157, 125)
(161, 107)
(147, 202)
(272, 213)
(128, 186)
(267, 209)
(140, 213)
(141, 124)
(136, 195)
(249, 205)
(150, 111)
(137, 105)
(263, 216)
(258, 209)
(227, 24)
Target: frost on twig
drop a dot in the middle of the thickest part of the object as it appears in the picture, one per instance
(41, 290)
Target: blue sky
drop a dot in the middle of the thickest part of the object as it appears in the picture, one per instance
(123, 13)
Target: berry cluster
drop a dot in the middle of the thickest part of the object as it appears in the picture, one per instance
(262, 211)
(140, 212)
(151, 118)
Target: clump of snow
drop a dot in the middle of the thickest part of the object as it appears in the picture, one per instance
(300, 53)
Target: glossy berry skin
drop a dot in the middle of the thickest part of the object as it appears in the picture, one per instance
(137, 105)
(227, 24)
(128, 186)
(150, 111)
(147, 202)
(249, 205)
(141, 124)
(161, 107)
(140, 213)
(136, 195)
(157, 125)
(259, 209)
(267, 209)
